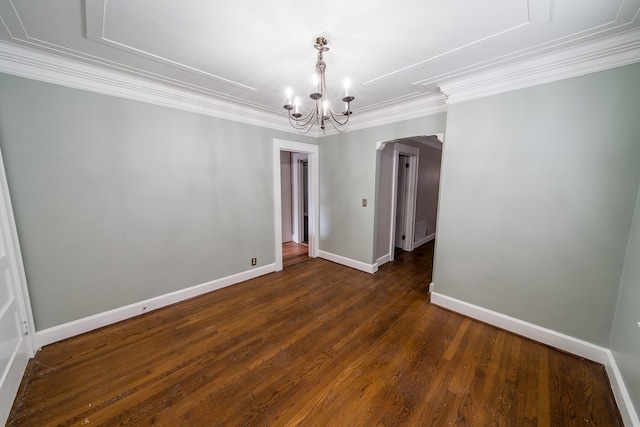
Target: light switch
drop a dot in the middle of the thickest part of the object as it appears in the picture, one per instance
(364, 203)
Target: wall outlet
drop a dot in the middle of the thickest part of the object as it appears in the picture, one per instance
(254, 261)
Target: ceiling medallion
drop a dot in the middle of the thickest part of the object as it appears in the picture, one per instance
(321, 112)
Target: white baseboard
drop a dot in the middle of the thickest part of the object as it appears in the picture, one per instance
(625, 404)
(552, 338)
(358, 265)
(424, 240)
(383, 259)
(86, 324)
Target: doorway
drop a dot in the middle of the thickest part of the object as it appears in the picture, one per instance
(295, 207)
(308, 179)
(404, 190)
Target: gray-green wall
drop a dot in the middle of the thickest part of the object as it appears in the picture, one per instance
(625, 337)
(349, 163)
(118, 201)
(538, 190)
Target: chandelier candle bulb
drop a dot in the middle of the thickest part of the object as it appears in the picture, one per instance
(297, 104)
(289, 94)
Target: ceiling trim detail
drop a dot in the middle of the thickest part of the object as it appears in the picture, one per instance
(537, 14)
(615, 51)
(45, 67)
(33, 64)
(604, 54)
(95, 15)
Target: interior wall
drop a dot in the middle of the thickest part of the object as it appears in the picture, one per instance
(538, 190)
(118, 201)
(625, 336)
(348, 168)
(286, 196)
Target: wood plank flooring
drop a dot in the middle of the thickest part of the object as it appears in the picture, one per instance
(293, 253)
(316, 344)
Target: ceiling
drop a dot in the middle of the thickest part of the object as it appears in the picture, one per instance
(247, 52)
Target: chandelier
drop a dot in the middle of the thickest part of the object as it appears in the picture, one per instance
(321, 112)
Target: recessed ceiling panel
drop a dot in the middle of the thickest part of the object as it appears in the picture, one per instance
(249, 51)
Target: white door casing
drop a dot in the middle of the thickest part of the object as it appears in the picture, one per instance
(314, 195)
(16, 321)
(298, 196)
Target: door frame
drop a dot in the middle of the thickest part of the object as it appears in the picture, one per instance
(25, 348)
(297, 182)
(410, 199)
(314, 195)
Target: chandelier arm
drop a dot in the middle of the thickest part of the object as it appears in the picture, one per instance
(339, 127)
(334, 117)
(302, 119)
(302, 123)
(303, 130)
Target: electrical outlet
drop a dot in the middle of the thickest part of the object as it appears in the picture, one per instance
(254, 261)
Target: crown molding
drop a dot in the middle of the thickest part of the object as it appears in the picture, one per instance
(611, 52)
(33, 64)
(607, 53)
(427, 105)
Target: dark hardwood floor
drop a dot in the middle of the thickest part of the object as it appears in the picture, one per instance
(316, 344)
(293, 253)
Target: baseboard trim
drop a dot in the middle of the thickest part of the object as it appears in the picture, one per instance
(552, 338)
(620, 392)
(424, 240)
(383, 259)
(358, 265)
(86, 324)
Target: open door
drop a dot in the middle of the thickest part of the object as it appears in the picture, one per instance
(404, 194)
(16, 347)
(300, 189)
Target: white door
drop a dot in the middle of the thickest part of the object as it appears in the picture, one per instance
(15, 346)
(401, 201)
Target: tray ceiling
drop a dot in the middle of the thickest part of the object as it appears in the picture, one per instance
(248, 51)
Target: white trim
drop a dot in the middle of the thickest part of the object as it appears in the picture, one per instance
(623, 399)
(16, 263)
(393, 112)
(424, 240)
(314, 195)
(23, 62)
(17, 366)
(86, 324)
(526, 329)
(611, 52)
(552, 338)
(297, 196)
(383, 260)
(358, 265)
